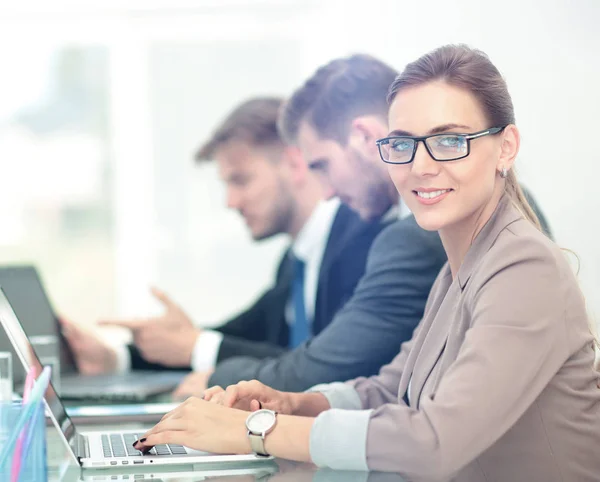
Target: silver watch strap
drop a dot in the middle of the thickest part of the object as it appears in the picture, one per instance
(257, 444)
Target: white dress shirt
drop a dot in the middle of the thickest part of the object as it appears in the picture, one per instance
(309, 246)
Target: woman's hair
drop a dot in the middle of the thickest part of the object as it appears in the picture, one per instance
(472, 70)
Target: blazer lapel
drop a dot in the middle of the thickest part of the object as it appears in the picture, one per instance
(438, 319)
(504, 215)
(434, 334)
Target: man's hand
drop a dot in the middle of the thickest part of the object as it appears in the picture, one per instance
(92, 355)
(192, 386)
(168, 339)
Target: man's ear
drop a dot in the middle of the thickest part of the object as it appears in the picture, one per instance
(294, 163)
(364, 131)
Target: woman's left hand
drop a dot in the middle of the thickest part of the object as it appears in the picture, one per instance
(202, 426)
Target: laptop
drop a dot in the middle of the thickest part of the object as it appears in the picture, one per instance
(24, 289)
(110, 449)
(147, 413)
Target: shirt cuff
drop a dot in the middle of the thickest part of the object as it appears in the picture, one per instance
(123, 358)
(206, 350)
(339, 395)
(338, 439)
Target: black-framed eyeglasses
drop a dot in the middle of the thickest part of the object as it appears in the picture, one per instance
(441, 147)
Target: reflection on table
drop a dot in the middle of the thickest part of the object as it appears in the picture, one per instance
(62, 469)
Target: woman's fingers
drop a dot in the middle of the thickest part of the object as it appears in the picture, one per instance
(231, 396)
(209, 393)
(164, 437)
(152, 437)
(178, 412)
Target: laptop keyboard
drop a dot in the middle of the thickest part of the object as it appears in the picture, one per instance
(121, 445)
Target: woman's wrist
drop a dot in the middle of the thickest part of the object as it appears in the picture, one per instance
(239, 433)
(308, 404)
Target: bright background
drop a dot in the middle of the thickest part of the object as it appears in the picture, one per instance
(103, 103)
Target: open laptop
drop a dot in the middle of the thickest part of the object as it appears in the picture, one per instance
(24, 289)
(102, 449)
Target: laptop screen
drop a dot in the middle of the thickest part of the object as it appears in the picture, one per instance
(24, 352)
(24, 289)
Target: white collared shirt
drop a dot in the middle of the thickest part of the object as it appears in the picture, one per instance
(309, 246)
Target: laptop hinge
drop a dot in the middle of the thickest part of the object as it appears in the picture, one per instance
(81, 446)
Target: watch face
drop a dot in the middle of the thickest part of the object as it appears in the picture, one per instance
(260, 421)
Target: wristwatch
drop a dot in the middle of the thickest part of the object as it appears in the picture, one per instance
(259, 424)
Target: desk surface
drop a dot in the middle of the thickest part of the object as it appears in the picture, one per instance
(61, 470)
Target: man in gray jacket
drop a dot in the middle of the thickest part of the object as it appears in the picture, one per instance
(335, 119)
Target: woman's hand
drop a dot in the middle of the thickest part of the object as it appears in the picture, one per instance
(202, 426)
(251, 396)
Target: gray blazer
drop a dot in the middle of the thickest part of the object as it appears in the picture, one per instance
(498, 375)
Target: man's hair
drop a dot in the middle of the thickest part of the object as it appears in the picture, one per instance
(335, 95)
(253, 122)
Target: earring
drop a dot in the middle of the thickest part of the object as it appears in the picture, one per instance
(504, 173)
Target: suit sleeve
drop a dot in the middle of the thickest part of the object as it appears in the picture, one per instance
(367, 332)
(244, 334)
(232, 346)
(138, 362)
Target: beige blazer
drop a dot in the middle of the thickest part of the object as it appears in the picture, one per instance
(500, 369)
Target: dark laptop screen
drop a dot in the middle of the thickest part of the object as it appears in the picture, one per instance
(25, 292)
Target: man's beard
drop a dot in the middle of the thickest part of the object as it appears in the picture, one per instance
(283, 215)
(378, 197)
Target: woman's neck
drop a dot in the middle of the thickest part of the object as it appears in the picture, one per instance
(458, 238)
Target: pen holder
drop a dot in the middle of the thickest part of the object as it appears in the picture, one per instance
(32, 442)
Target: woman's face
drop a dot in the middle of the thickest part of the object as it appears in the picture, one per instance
(451, 193)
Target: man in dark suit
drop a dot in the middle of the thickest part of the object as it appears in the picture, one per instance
(272, 188)
(335, 119)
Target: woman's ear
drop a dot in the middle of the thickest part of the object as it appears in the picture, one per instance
(509, 147)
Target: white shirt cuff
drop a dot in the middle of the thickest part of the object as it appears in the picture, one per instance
(338, 439)
(123, 358)
(206, 350)
(339, 395)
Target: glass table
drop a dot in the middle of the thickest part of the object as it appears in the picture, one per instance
(62, 469)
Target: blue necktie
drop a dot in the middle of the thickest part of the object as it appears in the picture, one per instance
(299, 330)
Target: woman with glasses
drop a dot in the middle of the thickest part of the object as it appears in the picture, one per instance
(497, 382)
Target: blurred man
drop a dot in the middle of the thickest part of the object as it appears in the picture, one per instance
(269, 184)
(335, 119)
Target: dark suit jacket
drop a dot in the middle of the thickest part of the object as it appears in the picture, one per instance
(367, 332)
(262, 330)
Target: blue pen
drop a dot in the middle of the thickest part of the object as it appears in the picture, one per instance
(30, 430)
(37, 393)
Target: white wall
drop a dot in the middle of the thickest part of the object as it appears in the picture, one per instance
(179, 66)
(548, 53)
